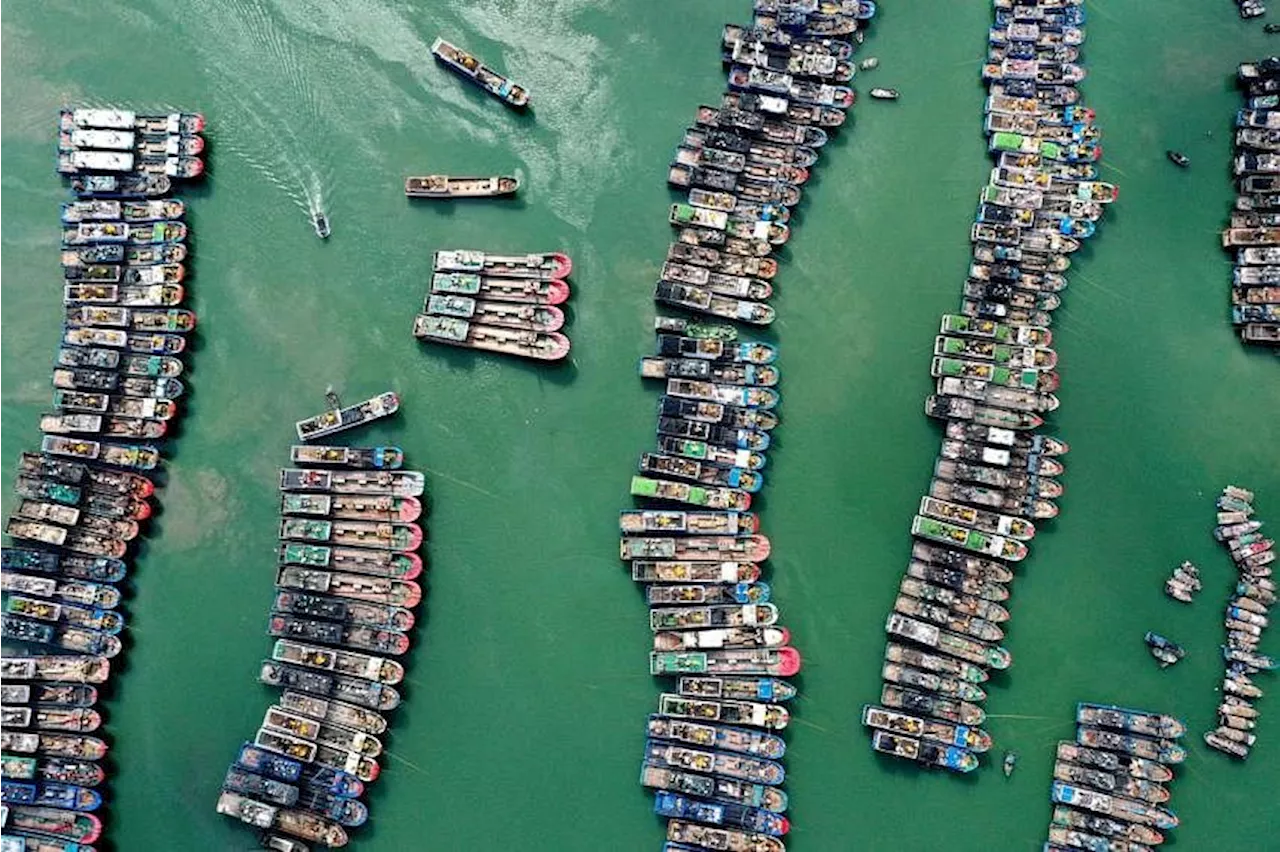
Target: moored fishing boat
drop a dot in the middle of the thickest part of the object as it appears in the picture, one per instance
(638, 522)
(752, 713)
(1117, 783)
(705, 301)
(729, 764)
(935, 663)
(948, 687)
(66, 637)
(299, 823)
(135, 185)
(754, 548)
(694, 495)
(383, 507)
(54, 822)
(543, 346)
(532, 291)
(544, 266)
(1135, 721)
(694, 572)
(779, 662)
(404, 483)
(927, 704)
(58, 669)
(1127, 809)
(382, 458)
(337, 712)
(83, 773)
(656, 367)
(698, 617)
(54, 745)
(676, 806)
(968, 538)
(400, 593)
(379, 535)
(447, 186)
(365, 693)
(281, 719)
(358, 636)
(729, 790)
(377, 669)
(926, 728)
(932, 636)
(1164, 751)
(360, 560)
(1106, 827)
(51, 694)
(342, 610)
(954, 408)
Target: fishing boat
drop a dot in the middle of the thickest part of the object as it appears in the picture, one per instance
(535, 318)
(721, 637)
(676, 806)
(340, 419)
(702, 300)
(972, 566)
(48, 694)
(137, 185)
(714, 498)
(656, 367)
(61, 824)
(694, 572)
(698, 617)
(375, 535)
(666, 522)
(374, 562)
(932, 636)
(63, 770)
(968, 538)
(361, 637)
(365, 693)
(89, 618)
(278, 718)
(927, 704)
(944, 665)
(1164, 751)
(471, 69)
(400, 593)
(122, 232)
(402, 483)
(342, 610)
(66, 637)
(544, 266)
(373, 668)
(754, 548)
(1107, 782)
(59, 669)
(1134, 721)
(948, 687)
(728, 790)
(79, 162)
(53, 745)
(543, 346)
(989, 522)
(1128, 809)
(754, 714)
(361, 458)
(337, 712)
(670, 755)
(717, 261)
(926, 728)
(1164, 650)
(384, 508)
(131, 319)
(531, 291)
(1106, 827)
(446, 186)
(300, 823)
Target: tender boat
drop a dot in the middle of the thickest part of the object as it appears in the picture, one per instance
(445, 186)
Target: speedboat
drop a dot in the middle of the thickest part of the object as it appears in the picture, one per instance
(1178, 158)
(320, 222)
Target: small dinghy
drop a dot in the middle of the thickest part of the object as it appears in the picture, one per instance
(884, 94)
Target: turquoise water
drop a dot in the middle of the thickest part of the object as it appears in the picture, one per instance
(528, 687)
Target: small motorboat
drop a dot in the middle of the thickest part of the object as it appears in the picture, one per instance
(1010, 761)
(320, 222)
(1164, 650)
(1271, 29)
(1177, 158)
(884, 94)
(868, 63)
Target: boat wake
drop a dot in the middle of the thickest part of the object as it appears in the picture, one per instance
(261, 85)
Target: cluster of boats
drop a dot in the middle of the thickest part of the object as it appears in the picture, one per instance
(1253, 232)
(1109, 789)
(995, 478)
(347, 580)
(1246, 616)
(744, 160)
(713, 751)
(498, 303)
(83, 498)
(51, 757)
(140, 152)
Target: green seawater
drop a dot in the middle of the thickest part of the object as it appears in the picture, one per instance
(528, 685)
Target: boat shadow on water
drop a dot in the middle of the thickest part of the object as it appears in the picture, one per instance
(448, 206)
(465, 360)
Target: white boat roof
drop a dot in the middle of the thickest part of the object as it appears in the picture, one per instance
(115, 161)
(118, 140)
(114, 119)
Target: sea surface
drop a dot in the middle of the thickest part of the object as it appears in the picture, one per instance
(528, 687)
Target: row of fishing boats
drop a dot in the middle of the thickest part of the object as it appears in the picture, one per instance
(1109, 789)
(1246, 617)
(996, 479)
(83, 499)
(1253, 231)
(124, 153)
(744, 161)
(347, 580)
(714, 748)
(498, 303)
